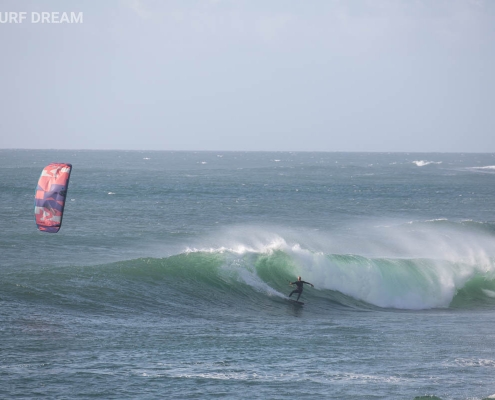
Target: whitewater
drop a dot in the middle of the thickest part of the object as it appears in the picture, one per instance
(169, 277)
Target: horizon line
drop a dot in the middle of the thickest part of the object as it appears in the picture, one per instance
(260, 151)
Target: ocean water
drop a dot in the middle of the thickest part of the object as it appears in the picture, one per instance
(169, 276)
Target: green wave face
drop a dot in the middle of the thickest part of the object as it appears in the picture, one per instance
(257, 281)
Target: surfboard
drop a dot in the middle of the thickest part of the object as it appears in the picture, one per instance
(295, 301)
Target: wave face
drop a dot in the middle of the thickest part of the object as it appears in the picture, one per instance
(254, 276)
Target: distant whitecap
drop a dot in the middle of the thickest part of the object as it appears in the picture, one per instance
(422, 163)
(487, 168)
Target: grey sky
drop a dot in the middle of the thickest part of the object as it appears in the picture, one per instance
(357, 75)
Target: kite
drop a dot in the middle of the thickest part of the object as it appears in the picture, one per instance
(49, 198)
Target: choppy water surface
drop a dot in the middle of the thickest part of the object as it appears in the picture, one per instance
(170, 274)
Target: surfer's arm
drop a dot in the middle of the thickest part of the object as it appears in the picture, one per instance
(307, 283)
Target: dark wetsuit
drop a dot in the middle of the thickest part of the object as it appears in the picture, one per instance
(299, 289)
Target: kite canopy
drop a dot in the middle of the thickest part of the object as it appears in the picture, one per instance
(49, 199)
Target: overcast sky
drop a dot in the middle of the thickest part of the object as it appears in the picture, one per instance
(328, 75)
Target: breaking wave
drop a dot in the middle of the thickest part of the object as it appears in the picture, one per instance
(254, 276)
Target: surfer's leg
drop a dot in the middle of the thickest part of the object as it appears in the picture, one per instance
(296, 291)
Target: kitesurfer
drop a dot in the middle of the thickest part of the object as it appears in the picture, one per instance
(299, 283)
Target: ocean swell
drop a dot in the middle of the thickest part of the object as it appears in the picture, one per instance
(257, 280)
